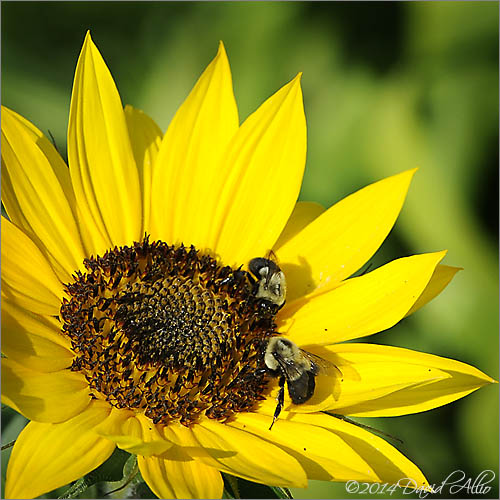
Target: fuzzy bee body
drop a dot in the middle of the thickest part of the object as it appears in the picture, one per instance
(270, 284)
(296, 368)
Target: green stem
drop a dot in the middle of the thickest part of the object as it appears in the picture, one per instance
(8, 445)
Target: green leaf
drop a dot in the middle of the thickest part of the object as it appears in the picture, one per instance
(12, 424)
(111, 470)
(281, 492)
(226, 494)
(130, 473)
(235, 487)
(140, 489)
(231, 485)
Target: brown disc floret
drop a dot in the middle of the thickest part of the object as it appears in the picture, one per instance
(167, 331)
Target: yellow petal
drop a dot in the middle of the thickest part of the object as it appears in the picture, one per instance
(145, 137)
(311, 446)
(27, 277)
(47, 327)
(245, 455)
(262, 174)
(43, 397)
(180, 477)
(341, 240)
(101, 161)
(390, 465)
(381, 381)
(33, 341)
(360, 306)
(188, 174)
(303, 214)
(47, 456)
(37, 194)
(439, 281)
(133, 432)
(330, 449)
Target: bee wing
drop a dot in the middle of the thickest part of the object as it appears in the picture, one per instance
(291, 370)
(323, 366)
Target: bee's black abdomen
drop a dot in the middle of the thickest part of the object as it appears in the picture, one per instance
(302, 389)
(311, 385)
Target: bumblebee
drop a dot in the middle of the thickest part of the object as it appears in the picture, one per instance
(270, 287)
(295, 367)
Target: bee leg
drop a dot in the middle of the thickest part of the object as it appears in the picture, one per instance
(260, 372)
(281, 401)
(230, 280)
(227, 281)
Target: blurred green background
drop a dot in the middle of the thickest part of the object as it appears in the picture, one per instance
(387, 87)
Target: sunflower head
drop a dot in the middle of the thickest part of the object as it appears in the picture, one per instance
(138, 306)
(167, 331)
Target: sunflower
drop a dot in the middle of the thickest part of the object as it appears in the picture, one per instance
(130, 319)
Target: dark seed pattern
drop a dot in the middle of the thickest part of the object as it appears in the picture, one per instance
(168, 331)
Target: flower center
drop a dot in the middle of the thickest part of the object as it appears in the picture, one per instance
(168, 331)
